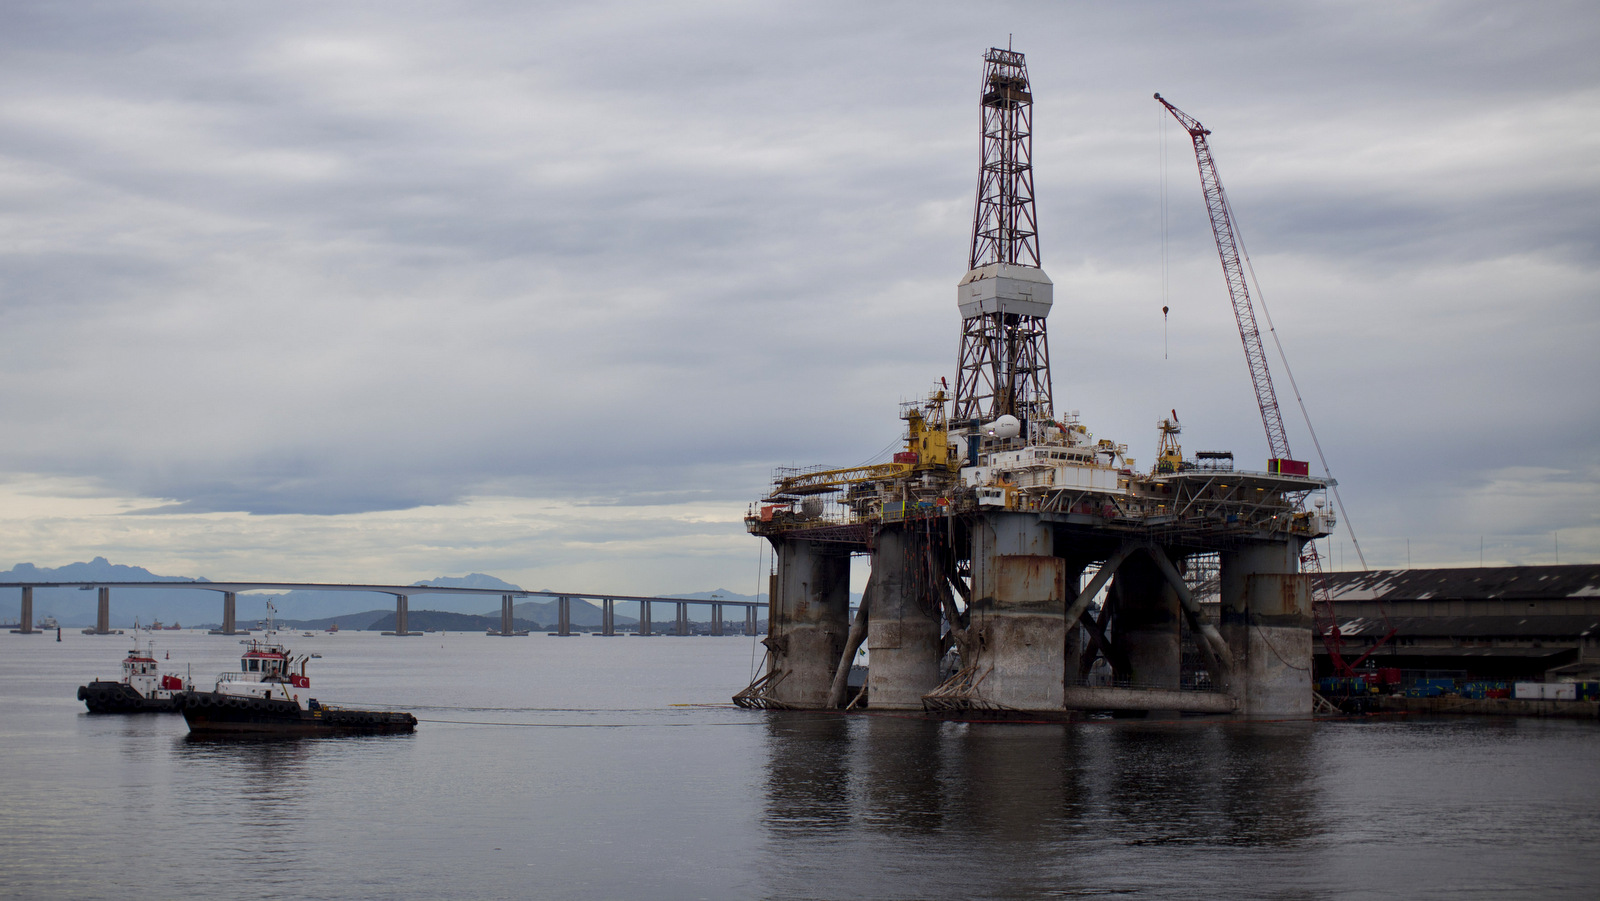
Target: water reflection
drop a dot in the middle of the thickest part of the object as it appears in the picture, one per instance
(902, 787)
(1031, 809)
(1237, 784)
(808, 773)
(270, 782)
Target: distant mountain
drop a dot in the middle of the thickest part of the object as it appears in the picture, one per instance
(470, 580)
(441, 621)
(351, 621)
(78, 608)
(583, 613)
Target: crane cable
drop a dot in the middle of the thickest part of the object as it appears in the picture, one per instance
(1283, 358)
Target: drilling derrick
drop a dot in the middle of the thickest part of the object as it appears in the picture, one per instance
(1004, 362)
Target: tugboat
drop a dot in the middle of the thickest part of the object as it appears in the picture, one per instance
(267, 697)
(143, 688)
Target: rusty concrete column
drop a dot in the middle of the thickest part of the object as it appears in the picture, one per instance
(807, 621)
(1019, 596)
(903, 628)
(102, 619)
(1266, 621)
(1147, 623)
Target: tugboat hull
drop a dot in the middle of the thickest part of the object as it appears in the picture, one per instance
(216, 713)
(120, 697)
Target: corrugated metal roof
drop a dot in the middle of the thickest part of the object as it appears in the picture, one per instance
(1484, 582)
(1386, 654)
(1567, 628)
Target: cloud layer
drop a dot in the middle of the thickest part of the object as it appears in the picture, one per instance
(367, 269)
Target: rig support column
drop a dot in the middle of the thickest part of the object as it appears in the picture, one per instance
(644, 618)
(1147, 623)
(1019, 591)
(102, 618)
(903, 628)
(807, 621)
(25, 620)
(1266, 621)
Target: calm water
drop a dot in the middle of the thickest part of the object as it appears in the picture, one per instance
(583, 768)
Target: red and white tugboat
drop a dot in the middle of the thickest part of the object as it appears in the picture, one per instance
(266, 696)
(143, 689)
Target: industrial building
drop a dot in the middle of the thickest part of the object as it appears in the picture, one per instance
(1497, 623)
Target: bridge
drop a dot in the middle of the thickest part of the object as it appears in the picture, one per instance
(402, 595)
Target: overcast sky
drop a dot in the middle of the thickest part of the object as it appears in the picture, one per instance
(387, 291)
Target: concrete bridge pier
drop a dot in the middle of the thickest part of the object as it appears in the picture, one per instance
(402, 616)
(907, 585)
(682, 627)
(25, 618)
(1266, 622)
(564, 616)
(230, 615)
(750, 620)
(608, 616)
(1018, 622)
(508, 616)
(644, 618)
(808, 609)
(716, 619)
(102, 617)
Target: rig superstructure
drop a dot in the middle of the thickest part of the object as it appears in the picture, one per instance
(994, 532)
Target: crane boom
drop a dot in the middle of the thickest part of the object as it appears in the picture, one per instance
(1255, 355)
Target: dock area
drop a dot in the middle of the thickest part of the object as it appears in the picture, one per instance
(1573, 710)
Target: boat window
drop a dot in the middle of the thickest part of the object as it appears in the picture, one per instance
(255, 666)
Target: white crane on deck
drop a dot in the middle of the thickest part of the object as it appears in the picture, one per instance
(1234, 261)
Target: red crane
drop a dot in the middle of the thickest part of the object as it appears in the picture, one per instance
(1255, 355)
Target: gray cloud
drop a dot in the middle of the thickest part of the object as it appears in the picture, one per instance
(343, 259)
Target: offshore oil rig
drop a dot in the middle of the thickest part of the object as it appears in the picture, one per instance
(1019, 565)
